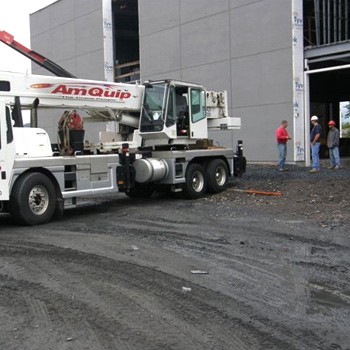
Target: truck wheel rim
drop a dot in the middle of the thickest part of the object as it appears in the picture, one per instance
(220, 176)
(38, 200)
(198, 181)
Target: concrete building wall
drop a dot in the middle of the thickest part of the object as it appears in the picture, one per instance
(242, 46)
(70, 32)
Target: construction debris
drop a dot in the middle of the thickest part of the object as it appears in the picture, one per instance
(258, 192)
(199, 272)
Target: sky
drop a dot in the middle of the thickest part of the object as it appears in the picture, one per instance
(14, 19)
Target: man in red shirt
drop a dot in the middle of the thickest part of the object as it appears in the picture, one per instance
(282, 138)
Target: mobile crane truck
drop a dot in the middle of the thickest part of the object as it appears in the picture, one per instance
(157, 139)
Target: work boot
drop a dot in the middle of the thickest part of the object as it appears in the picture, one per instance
(314, 171)
(336, 168)
(331, 167)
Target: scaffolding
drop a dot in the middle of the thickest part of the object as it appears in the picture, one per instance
(326, 22)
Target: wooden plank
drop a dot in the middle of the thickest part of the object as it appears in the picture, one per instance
(127, 75)
(128, 64)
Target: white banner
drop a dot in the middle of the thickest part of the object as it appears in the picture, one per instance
(298, 80)
(108, 40)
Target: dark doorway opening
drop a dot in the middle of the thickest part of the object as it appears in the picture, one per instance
(330, 100)
(126, 40)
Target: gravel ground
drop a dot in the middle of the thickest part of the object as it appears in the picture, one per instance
(116, 272)
(322, 196)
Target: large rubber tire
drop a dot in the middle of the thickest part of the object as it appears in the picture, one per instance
(196, 181)
(217, 175)
(33, 199)
(141, 191)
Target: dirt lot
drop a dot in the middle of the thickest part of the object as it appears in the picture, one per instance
(116, 273)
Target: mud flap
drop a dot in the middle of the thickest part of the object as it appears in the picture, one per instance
(240, 164)
(59, 208)
(125, 177)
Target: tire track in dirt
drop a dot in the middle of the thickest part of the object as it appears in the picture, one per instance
(245, 268)
(194, 314)
(267, 279)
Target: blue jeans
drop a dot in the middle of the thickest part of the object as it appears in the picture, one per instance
(282, 154)
(315, 149)
(334, 156)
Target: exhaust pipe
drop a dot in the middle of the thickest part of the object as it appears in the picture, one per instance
(34, 114)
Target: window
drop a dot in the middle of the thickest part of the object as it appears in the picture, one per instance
(170, 117)
(197, 105)
(152, 116)
(9, 134)
(5, 85)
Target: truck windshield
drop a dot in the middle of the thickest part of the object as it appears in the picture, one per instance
(153, 108)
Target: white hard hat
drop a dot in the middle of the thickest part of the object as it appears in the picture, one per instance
(314, 118)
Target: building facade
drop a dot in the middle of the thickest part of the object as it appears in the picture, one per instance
(272, 56)
(71, 33)
(245, 47)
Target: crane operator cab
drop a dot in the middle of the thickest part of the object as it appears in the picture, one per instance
(173, 113)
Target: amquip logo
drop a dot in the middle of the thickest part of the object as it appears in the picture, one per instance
(91, 90)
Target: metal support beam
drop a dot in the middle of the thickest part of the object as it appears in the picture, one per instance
(317, 20)
(346, 20)
(335, 31)
(312, 52)
(307, 150)
(329, 21)
(339, 21)
(324, 22)
(344, 57)
(329, 69)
